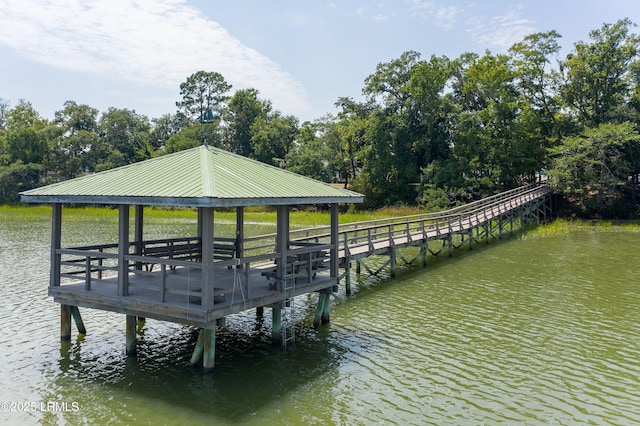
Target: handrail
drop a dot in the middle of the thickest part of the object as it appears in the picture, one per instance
(82, 262)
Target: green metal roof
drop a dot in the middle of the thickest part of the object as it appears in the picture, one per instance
(202, 177)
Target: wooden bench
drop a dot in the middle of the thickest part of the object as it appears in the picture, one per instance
(170, 250)
(305, 265)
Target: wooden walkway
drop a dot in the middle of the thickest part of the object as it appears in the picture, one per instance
(482, 220)
(164, 277)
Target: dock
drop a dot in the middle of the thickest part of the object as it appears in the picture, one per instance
(201, 279)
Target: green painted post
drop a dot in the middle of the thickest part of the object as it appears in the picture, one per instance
(319, 309)
(65, 322)
(75, 312)
(276, 325)
(197, 351)
(326, 310)
(131, 335)
(209, 348)
(358, 267)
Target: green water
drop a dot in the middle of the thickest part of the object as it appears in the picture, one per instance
(525, 331)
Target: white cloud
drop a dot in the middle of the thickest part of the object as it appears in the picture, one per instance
(441, 16)
(500, 31)
(150, 42)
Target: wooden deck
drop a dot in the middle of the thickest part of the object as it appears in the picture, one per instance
(179, 300)
(167, 285)
(164, 277)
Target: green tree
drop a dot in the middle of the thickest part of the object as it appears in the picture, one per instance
(125, 134)
(243, 109)
(203, 92)
(25, 135)
(164, 127)
(594, 168)
(597, 78)
(18, 177)
(486, 133)
(74, 118)
(273, 138)
(310, 156)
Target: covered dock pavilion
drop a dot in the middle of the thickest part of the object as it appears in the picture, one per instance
(199, 279)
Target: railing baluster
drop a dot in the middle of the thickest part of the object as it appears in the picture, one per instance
(87, 278)
(163, 285)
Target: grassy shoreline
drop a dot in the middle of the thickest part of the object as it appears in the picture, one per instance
(302, 218)
(298, 217)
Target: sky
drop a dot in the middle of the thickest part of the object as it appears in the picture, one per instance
(302, 55)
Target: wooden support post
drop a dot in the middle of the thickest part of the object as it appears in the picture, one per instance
(425, 252)
(65, 322)
(259, 313)
(511, 224)
(75, 312)
(209, 348)
(393, 262)
(206, 219)
(131, 335)
(282, 245)
(334, 261)
(240, 233)
(123, 250)
(326, 310)
(199, 348)
(319, 309)
(56, 233)
(138, 233)
(276, 324)
(347, 276)
(358, 268)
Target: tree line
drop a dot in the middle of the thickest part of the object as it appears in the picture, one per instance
(433, 132)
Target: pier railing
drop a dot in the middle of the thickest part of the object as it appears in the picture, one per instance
(307, 256)
(153, 268)
(382, 233)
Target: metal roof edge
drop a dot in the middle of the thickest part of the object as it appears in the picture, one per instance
(185, 201)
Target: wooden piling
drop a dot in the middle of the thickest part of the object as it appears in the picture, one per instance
(276, 324)
(75, 312)
(131, 335)
(424, 251)
(393, 255)
(347, 276)
(319, 309)
(326, 310)
(65, 322)
(209, 348)
(199, 348)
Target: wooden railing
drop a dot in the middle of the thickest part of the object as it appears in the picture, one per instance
(159, 257)
(357, 235)
(308, 253)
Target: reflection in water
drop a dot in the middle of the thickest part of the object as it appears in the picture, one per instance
(524, 331)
